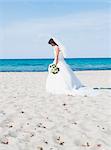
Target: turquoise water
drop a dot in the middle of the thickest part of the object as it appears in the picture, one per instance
(41, 65)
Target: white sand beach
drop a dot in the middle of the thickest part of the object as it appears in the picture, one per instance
(31, 119)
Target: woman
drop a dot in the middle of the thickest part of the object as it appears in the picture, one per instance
(63, 82)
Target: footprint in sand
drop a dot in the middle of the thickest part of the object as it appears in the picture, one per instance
(59, 140)
(4, 140)
(39, 148)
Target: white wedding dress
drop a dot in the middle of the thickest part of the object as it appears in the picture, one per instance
(65, 82)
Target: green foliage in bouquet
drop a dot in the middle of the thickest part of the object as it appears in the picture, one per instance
(54, 69)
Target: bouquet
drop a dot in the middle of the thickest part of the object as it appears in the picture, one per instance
(53, 68)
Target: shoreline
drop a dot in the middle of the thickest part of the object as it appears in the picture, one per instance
(47, 71)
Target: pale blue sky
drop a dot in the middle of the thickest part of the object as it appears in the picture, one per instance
(26, 26)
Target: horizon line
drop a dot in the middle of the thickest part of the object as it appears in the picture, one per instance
(64, 58)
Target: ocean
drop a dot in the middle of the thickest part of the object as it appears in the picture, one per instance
(41, 65)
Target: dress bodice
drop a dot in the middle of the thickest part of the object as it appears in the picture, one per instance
(61, 57)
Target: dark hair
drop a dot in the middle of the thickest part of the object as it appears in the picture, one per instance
(51, 41)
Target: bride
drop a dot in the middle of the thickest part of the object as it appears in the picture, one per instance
(64, 81)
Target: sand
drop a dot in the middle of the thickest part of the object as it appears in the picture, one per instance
(31, 119)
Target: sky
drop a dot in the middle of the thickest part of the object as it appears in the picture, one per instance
(83, 26)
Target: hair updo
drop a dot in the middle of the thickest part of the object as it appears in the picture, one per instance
(51, 41)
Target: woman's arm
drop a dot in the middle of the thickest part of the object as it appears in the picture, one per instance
(56, 54)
